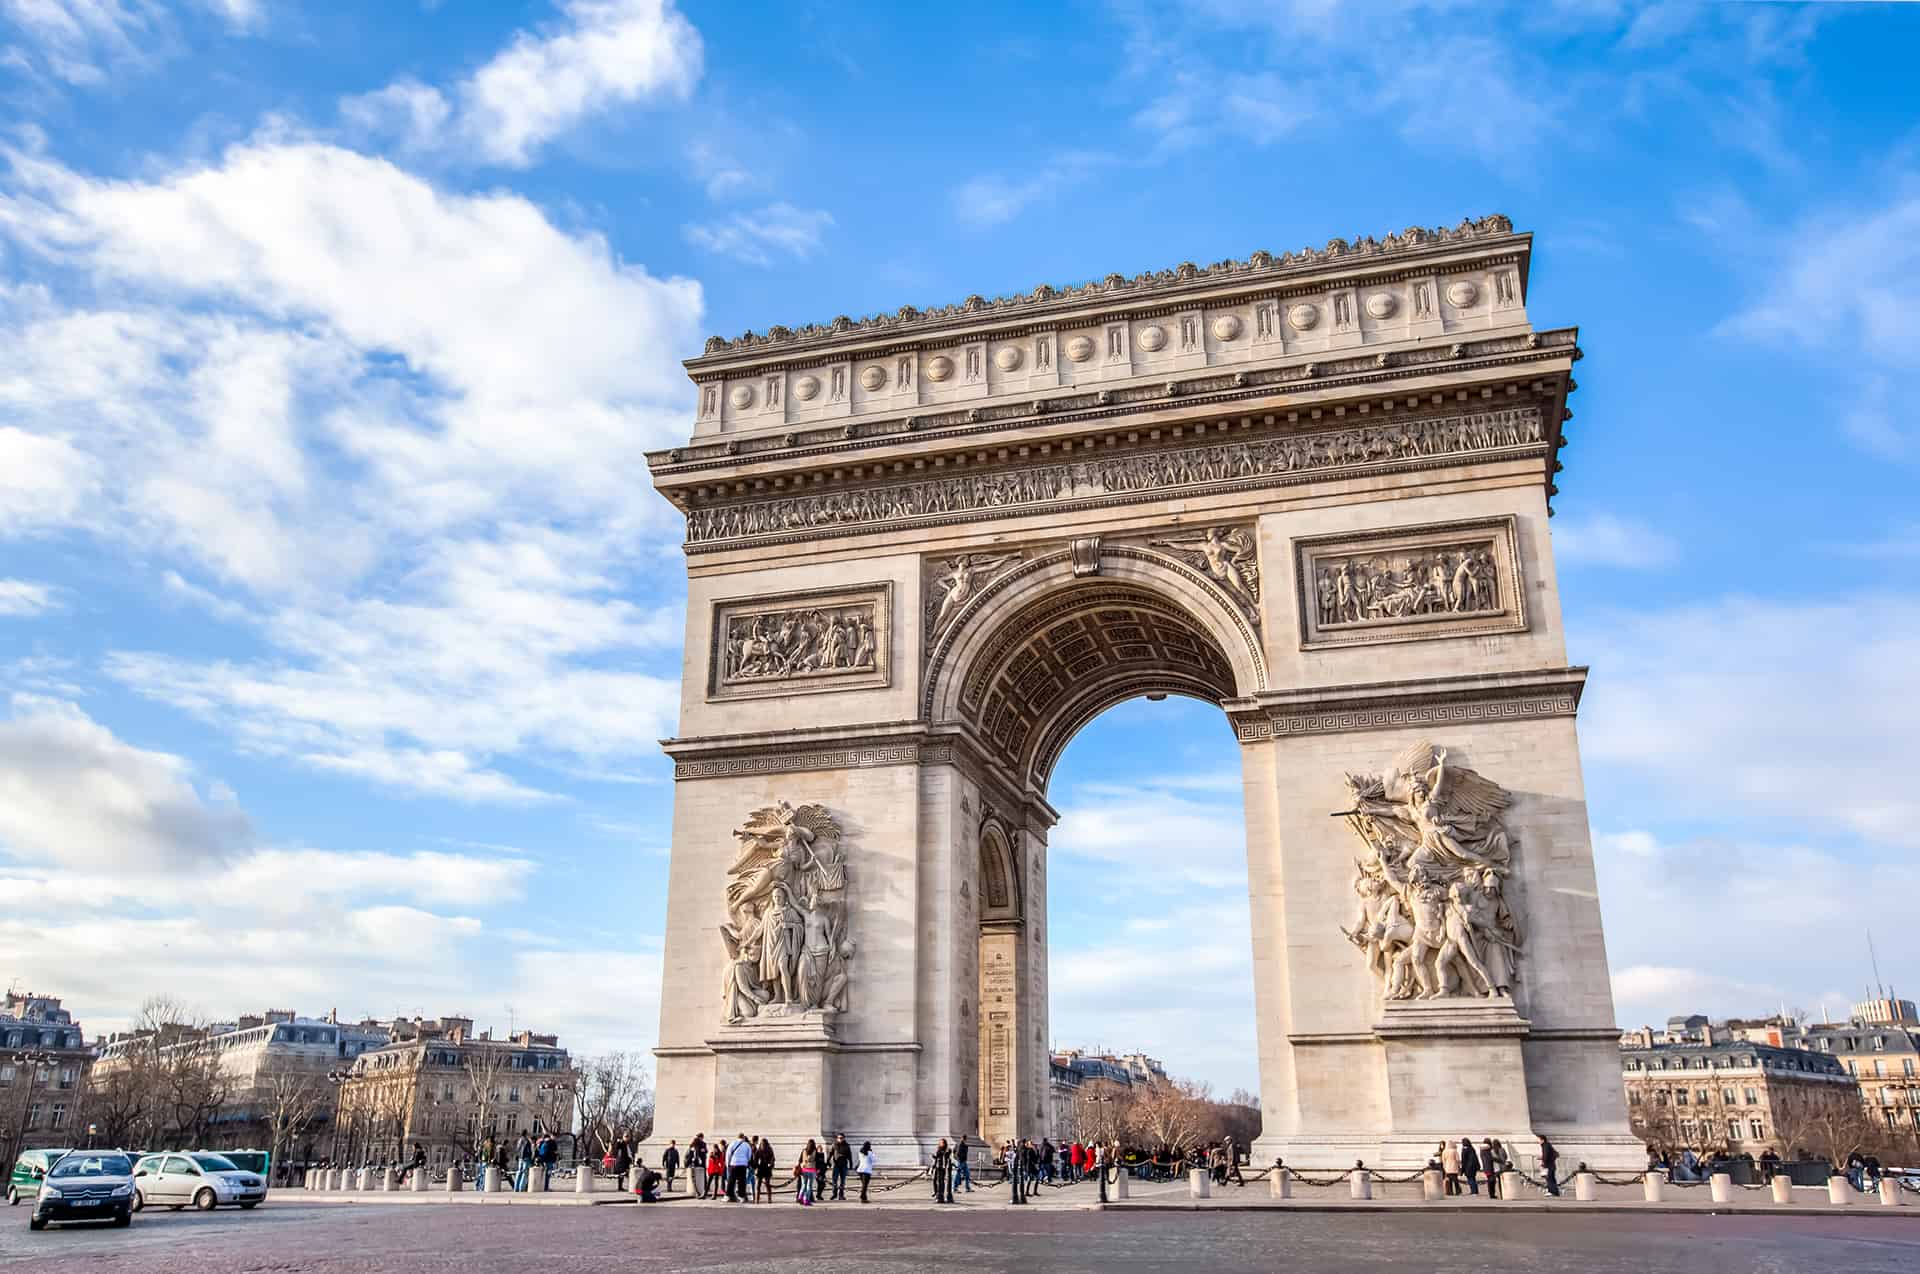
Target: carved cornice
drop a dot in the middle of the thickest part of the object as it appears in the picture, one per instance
(1403, 704)
(1258, 267)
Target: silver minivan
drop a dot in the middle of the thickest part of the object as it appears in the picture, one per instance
(206, 1181)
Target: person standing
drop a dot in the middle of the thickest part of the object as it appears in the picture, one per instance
(623, 1165)
(670, 1162)
(866, 1168)
(1448, 1157)
(525, 1163)
(763, 1170)
(549, 1160)
(1490, 1164)
(1550, 1166)
(962, 1166)
(739, 1159)
(841, 1161)
(697, 1165)
(942, 1173)
(716, 1168)
(805, 1173)
(1469, 1167)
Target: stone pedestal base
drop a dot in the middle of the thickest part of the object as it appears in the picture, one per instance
(773, 1076)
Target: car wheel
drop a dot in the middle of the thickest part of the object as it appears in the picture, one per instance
(123, 1218)
(139, 1201)
(13, 1197)
(205, 1201)
(248, 1207)
(37, 1223)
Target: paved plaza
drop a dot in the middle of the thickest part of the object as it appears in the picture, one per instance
(297, 1237)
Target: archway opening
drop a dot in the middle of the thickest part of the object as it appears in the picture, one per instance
(1152, 950)
(1149, 960)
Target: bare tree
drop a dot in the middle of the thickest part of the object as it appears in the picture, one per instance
(117, 1102)
(485, 1068)
(613, 1099)
(1103, 1111)
(1173, 1113)
(292, 1099)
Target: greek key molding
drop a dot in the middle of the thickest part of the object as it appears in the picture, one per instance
(1145, 475)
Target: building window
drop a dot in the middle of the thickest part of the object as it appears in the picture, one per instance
(1700, 1096)
(1758, 1129)
(1879, 1069)
(60, 1116)
(33, 1115)
(1733, 1130)
(1851, 1068)
(1879, 1043)
(513, 1093)
(1633, 1099)
(1752, 1098)
(1686, 1130)
(1892, 1117)
(1906, 1068)
(1726, 1096)
(1679, 1096)
(6, 1076)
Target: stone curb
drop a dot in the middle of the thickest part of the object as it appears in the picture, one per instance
(442, 1198)
(1428, 1209)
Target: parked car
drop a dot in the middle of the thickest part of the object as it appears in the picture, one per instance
(205, 1180)
(86, 1185)
(28, 1171)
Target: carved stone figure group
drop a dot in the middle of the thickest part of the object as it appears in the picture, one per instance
(1226, 554)
(1150, 471)
(959, 579)
(1432, 916)
(786, 929)
(1449, 579)
(792, 643)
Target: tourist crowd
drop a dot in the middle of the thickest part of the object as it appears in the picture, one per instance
(1462, 1165)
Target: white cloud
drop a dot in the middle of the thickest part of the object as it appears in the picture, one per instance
(755, 237)
(723, 175)
(77, 41)
(241, 15)
(26, 597)
(291, 379)
(1783, 714)
(72, 793)
(1742, 927)
(991, 200)
(1607, 539)
(1190, 842)
(603, 54)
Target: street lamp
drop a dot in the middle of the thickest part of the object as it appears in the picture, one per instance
(337, 1077)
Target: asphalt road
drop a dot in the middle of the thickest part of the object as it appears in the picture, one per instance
(292, 1238)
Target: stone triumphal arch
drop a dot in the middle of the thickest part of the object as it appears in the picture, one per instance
(925, 548)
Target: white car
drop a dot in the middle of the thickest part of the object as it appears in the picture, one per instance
(206, 1181)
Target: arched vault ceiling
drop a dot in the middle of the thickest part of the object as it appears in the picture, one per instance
(1060, 662)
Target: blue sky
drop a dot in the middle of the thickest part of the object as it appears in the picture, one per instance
(338, 621)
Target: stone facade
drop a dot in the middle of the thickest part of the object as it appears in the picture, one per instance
(44, 1063)
(1716, 1093)
(449, 1090)
(1310, 489)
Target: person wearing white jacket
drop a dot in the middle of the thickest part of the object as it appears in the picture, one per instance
(865, 1168)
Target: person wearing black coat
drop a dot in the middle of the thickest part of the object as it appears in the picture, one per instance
(1470, 1164)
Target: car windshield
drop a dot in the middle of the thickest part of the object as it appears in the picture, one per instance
(215, 1163)
(93, 1166)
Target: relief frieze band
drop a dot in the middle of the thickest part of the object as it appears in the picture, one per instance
(823, 639)
(1216, 466)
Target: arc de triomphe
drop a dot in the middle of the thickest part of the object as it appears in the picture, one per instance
(925, 548)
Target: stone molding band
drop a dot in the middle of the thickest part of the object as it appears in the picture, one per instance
(1396, 705)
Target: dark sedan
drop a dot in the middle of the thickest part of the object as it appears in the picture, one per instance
(86, 1185)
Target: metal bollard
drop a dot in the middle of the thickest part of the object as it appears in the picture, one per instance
(1433, 1185)
(1720, 1186)
(456, 1179)
(1782, 1186)
(1119, 1188)
(1360, 1183)
(1280, 1183)
(1839, 1193)
(1890, 1193)
(1510, 1185)
(421, 1179)
(538, 1179)
(1583, 1187)
(1200, 1183)
(1655, 1186)
(583, 1179)
(491, 1182)
(389, 1180)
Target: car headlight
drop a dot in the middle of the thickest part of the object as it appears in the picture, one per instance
(48, 1192)
(121, 1192)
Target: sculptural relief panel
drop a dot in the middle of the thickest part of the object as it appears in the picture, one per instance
(1410, 583)
(833, 639)
(788, 949)
(1432, 918)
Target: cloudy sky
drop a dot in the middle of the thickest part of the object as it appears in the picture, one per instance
(338, 622)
